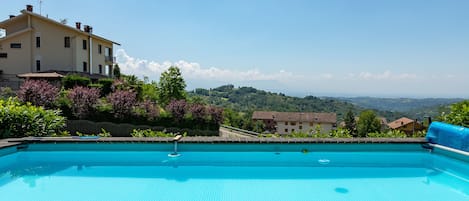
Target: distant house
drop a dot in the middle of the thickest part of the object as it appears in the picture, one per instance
(406, 125)
(289, 122)
(35, 46)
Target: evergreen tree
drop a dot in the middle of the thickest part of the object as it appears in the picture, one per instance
(368, 123)
(116, 71)
(171, 86)
(350, 123)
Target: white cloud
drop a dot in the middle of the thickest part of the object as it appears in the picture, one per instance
(386, 75)
(300, 82)
(192, 70)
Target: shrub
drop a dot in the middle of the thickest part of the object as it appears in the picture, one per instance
(216, 114)
(388, 134)
(147, 110)
(106, 84)
(122, 102)
(73, 80)
(177, 108)
(198, 112)
(459, 114)
(150, 133)
(6, 92)
(83, 99)
(341, 133)
(19, 120)
(38, 93)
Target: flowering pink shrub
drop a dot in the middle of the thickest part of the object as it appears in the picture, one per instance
(177, 108)
(122, 102)
(83, 99)
(216, 114)
(148, 109)
(38, 92)
(198, 111)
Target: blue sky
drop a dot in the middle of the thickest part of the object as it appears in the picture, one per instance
(391, 48)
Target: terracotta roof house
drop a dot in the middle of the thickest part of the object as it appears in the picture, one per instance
(406, 125)
(34, 44)
(288, 122)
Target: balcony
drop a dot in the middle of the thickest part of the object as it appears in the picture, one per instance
(110, 59)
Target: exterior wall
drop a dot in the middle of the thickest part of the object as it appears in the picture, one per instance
(19, 23)
(52, 52)
(18, 59)
(409, 128)
(305, 127)
(99, 58)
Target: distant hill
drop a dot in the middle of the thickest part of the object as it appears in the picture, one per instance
(248, 99)
(399, 104)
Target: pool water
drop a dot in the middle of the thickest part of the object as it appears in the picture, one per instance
(203, 175)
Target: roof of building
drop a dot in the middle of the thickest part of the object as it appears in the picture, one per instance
(40, 75)
(295, 116)
(59, 74)
(400, 122)
(25, 12)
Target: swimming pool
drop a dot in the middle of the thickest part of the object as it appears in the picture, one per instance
(230, 172)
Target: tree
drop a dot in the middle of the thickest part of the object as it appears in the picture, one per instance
(459, 114)
(368, 123)
(171, 86)
(350, 123)
(116, 71)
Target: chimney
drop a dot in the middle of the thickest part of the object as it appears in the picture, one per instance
(78, 25)
(87, 29)
(29, 8)
(12, 16)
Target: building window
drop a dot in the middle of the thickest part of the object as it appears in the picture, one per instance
(100, 68)
(301, 127)
(67, 41)
(38, 41)
(292, 130)
(3, 55)
(85, 67)
(38, 65)
(293, 123)
(311, 124)
(286, 130)
(84, 44)
(100, 49)
(15, 45)
(286, 123)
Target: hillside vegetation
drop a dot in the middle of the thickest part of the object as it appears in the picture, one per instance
(248, 99)
(399, 104)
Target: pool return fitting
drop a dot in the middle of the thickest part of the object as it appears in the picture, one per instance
(175, 151)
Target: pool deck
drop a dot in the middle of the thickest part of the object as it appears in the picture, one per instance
(211, 140)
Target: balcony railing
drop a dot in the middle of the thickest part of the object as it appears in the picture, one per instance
(110, 59)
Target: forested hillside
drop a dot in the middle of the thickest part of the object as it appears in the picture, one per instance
(248, 99)
(400, 104)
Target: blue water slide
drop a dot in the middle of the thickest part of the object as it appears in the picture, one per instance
(449, 135)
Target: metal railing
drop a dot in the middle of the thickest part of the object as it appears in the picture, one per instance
(254, 134)
(110, 59)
